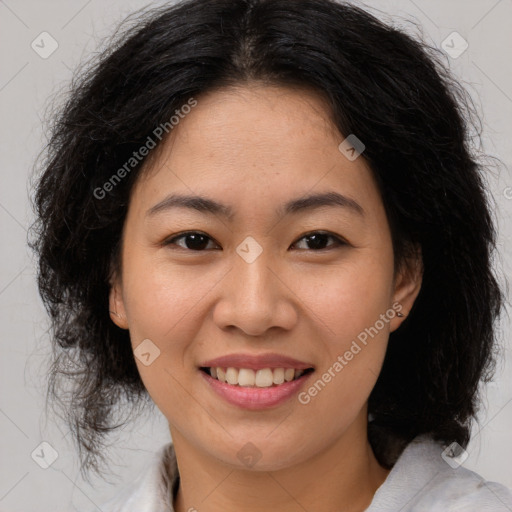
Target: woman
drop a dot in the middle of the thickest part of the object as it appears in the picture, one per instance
(189, 182)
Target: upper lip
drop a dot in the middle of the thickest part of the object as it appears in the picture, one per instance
(256, 362)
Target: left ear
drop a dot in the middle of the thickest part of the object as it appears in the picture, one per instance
(407, 286)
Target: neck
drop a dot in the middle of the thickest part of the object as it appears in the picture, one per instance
(342, 477)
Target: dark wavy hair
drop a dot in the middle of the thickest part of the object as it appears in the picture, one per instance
(392, 90)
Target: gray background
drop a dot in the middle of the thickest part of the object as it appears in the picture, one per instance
(27, 81)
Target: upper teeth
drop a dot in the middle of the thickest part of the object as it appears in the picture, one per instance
(262, 378)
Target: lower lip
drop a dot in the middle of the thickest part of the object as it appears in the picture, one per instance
(256, 398)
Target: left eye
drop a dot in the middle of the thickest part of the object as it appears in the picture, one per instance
(317, 240)
(197, 241)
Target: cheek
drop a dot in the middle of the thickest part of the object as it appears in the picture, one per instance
(353, 351)
(349, 304)
(350, 296)
(160, 298)
(162, 306)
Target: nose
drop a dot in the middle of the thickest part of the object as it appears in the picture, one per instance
(256, 297)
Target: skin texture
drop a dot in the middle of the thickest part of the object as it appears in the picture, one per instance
(253, 148)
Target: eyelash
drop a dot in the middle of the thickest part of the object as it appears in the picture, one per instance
(339, 241)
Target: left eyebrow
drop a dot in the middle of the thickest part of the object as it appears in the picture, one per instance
(298, 205)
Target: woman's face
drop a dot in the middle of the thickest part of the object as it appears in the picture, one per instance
(261, 281)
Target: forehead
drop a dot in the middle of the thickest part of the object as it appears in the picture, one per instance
(270, 123)
(255, 141)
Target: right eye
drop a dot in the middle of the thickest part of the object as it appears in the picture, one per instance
(194, 240)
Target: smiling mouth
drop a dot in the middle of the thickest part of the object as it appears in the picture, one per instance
(262, 378)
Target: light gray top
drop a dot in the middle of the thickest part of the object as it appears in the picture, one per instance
(421, 480)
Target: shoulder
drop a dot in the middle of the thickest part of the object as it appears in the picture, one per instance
(153, 488)
(427, 478)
